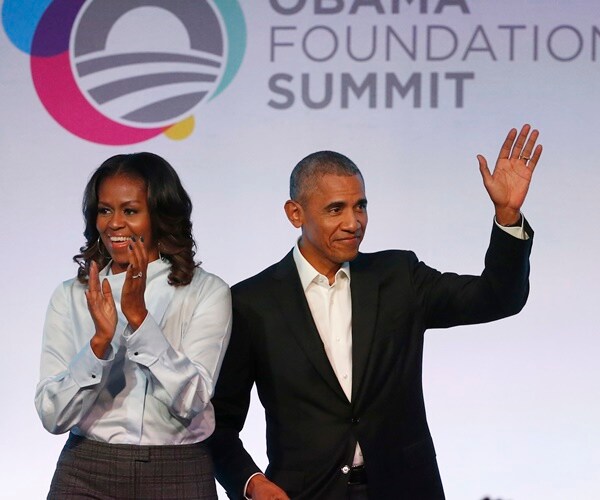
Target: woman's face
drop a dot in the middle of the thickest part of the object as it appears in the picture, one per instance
(123, 213)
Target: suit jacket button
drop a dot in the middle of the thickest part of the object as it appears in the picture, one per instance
(355, 420)
(345, 469)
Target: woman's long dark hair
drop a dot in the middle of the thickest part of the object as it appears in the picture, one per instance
(170, 210)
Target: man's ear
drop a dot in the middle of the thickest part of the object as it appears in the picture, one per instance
(294, 213)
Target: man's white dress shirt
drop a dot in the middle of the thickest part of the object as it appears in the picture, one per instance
(331, 309)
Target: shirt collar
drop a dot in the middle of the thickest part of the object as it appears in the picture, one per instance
(308, 274)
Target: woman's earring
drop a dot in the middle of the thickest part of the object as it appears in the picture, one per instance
(100, 248)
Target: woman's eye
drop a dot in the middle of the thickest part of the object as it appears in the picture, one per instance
(103, 210)
(129, 211)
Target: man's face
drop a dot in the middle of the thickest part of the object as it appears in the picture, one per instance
(333, 217)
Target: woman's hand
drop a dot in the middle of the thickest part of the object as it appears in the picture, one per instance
(102, 308)
(133, 304)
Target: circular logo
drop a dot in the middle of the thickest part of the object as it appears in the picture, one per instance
(123, 71)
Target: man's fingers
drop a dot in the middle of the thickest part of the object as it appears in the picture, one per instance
(483, 168)
(508, 144)
(535, 157)
(517, 150)
(526, 153)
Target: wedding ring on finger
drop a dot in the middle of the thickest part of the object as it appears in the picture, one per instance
(524, 158)
(138, 275)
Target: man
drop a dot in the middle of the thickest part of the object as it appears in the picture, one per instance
(333, 340)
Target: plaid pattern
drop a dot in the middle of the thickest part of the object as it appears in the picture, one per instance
(92, 469)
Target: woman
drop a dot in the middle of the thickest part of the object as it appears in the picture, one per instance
(133, 346)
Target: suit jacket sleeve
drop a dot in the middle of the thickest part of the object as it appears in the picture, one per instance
(501, 290)
(233, 464)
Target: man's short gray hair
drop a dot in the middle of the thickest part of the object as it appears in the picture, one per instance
(311, 168)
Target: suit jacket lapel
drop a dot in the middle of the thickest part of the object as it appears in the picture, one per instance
(299, 319)
(364, 288)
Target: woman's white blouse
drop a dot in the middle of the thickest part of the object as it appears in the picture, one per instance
(154, 385)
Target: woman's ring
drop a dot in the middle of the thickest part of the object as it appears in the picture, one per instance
(138, 275)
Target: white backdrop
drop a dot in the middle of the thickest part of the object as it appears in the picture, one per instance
(513, 405)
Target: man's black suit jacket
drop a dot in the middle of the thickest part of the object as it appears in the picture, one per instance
(312, 428)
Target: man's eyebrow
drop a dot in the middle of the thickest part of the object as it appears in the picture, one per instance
(335, 204)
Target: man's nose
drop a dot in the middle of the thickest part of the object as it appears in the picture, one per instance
(351, 221)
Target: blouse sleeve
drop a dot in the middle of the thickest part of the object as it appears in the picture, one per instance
(71, 377)
(184, 377)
